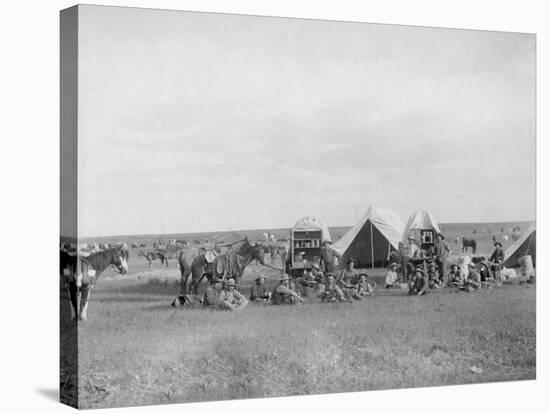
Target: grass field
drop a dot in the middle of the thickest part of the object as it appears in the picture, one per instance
(135, 349)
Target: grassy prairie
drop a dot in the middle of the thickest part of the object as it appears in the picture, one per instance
(136, 350)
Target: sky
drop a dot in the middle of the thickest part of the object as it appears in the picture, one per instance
(192, 122)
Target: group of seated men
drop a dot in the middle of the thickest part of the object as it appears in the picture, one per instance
(429, 275)
(346, 285)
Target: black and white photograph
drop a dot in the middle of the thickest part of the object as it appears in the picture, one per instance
(257, 206)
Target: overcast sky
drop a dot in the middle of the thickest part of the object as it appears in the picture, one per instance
(204, 122)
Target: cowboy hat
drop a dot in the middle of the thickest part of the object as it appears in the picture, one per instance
(350, 260)
(260, 276)
(328, 274)
(498, 244)
(230, 282)
(393, 264)
(327, 241)
(284, 277)
(215, 279)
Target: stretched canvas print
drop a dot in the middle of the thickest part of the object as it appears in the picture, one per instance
(260, 207)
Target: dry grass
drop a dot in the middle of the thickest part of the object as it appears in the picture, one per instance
(145, 352)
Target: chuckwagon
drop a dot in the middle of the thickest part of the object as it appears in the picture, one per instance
(422, 229)
(306, 240)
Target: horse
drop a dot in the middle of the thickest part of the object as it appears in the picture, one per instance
(169, 251)
(468, 243)
(244, 255)
(81, 274)
(150, 256)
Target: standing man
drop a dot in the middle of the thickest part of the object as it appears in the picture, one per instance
(441, 250)
(327, 257)
(283, 294)
(496, 259)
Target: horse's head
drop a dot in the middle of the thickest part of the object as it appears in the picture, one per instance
(118, 260)
(258, 252)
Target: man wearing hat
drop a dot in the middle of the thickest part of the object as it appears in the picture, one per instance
(364, 288)
(231, 298)
(473, 280)
(456, 277)
(347, 280)
(332, 292)
(258, 292)
(283, 294)
(328, 254)
(391, 276)
(496, 259)
(441, 250)
(419, 285)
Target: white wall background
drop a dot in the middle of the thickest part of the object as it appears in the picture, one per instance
(30, 175)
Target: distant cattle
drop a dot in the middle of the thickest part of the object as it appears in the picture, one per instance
(142, 245)
(134, 245)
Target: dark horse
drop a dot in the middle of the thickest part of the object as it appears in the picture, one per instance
(81, 273)
(194, 264)
(469, 243)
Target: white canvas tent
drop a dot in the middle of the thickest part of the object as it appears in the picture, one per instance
(525, 245)
(419, 220)
(372, 239)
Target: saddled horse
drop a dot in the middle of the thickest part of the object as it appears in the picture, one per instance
(244, 254)
(466, 243)
(81, 274)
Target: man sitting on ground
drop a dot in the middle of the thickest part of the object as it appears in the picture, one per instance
(473, 280)
(419, 285)
(347, 280)
(456, 277)
(391, 276)
(283, 295)
(211, 298)
(364, 288)
(332, 292)
(258, 292)
(231, 298)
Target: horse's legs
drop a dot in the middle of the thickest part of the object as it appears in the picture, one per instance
(73, 295)
(85, 298)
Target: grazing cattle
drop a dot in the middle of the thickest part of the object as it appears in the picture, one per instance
(143, 245)
(134, 245)
(466, 243)
(81, 273)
